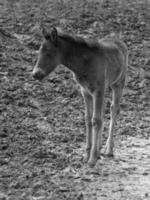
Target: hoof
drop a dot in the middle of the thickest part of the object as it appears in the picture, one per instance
(91, 163)
(108, 151)
(86, 158)
(109, 154)
(87, 155)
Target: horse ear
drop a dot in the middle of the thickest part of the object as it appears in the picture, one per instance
(54, 35)
(46, 34)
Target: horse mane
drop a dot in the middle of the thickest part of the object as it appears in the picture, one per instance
(77, 40)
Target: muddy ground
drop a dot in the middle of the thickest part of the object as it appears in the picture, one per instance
(42, 129)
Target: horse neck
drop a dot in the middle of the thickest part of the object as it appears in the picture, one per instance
(70, 56)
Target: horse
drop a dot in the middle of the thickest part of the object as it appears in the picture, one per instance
(96, 65)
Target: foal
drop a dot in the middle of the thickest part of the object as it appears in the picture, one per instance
(95, 65)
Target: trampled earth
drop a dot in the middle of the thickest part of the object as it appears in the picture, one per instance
(42, 132)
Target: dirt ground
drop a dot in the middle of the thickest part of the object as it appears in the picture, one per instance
(42, 129)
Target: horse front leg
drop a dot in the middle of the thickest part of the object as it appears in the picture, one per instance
(88, 121)
(97, 126)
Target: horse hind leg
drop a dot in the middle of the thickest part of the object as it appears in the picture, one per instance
(114, 112)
